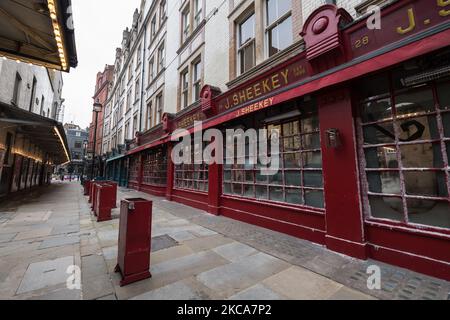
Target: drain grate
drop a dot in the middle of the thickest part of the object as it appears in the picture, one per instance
(163, 242)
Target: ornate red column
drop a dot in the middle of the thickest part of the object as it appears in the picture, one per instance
(344, 220)
(170, 172)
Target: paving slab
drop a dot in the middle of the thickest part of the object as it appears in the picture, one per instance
(257, 292)
(45, 274)
(32, 234)
(241, 274)
(7, 237)
(235, 251)
(59, 242)
(175, 291)
(300, 284)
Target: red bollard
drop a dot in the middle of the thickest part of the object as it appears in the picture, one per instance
(103, 202)
(135, 229)
(87, 187)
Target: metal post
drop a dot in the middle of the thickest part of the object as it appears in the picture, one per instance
(95, 140)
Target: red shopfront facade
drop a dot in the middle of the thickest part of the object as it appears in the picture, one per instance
(364, 122)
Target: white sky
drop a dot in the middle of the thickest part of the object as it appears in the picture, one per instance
(98, 32)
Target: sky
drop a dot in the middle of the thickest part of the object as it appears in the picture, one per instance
(98, 32)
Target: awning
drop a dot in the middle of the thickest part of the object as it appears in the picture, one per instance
(149, 145)
(38, 32)
(47, 134)
(116, 158)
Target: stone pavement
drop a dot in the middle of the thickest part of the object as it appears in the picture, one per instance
(194, 256)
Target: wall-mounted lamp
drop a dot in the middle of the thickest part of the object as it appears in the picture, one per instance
(333, 137)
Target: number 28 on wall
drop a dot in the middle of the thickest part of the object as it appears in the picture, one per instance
(412, 19)
(364, 41)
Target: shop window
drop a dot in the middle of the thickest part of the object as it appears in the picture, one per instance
(193, 176)
(134, 170)
(299, 180)
(405, 151)
(279, 25)
(155, 168)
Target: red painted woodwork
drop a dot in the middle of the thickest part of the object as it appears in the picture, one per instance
(207, 95)
(341, 179)
(87, 187)
(325, 43)
(191, 198)
(133, 259)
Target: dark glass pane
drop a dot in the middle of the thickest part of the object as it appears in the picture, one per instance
(248, 57)
(443, 90)
(386, 208)
(381, 157)
(425, 183)
(310, 123)
(248, 176)
(291, 144)
(446, 124)
(227, 175)
(311, 141)
(373, 86)
(376, 110)
(293, 178)
(237, 189)
(379, 133)
(412, 102)
(313, 179)
(314, 198)
(294, 196)
(260, 178)
(261, 192)
(429, 212)
(249, 191)
(312, 159)
(276, 193)
(422, 128)
(384, 182)
(290, 128)
(292, 160)
(276, 178)
(424, 155)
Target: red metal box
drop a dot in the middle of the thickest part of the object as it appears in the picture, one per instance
(134, 240)
(87, 187)
(104, 202)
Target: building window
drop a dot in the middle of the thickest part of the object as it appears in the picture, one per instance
(196, 81)
(161, 57)
(127, 130)
(162, 10)
(129, 102)
(184, 89)
(299, 180)
(159, 107)
(17, 87)
(192, 176)
(197, 13)
(151, 70)
(153, 28)
(279, 25)
(78, 145)
(246, 47)
(149, 115)
(135, 126)
(155, 168)
(130, 70)
(186, 23)
(134, 169)
(138, 56)
(405, 149)
(33, 95)
(42, 111)
(137, 89)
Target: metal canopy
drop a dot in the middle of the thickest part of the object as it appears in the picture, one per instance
(46, 133)
(39, 32)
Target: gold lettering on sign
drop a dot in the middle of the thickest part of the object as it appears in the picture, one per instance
(412, 23)
(443, 3)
